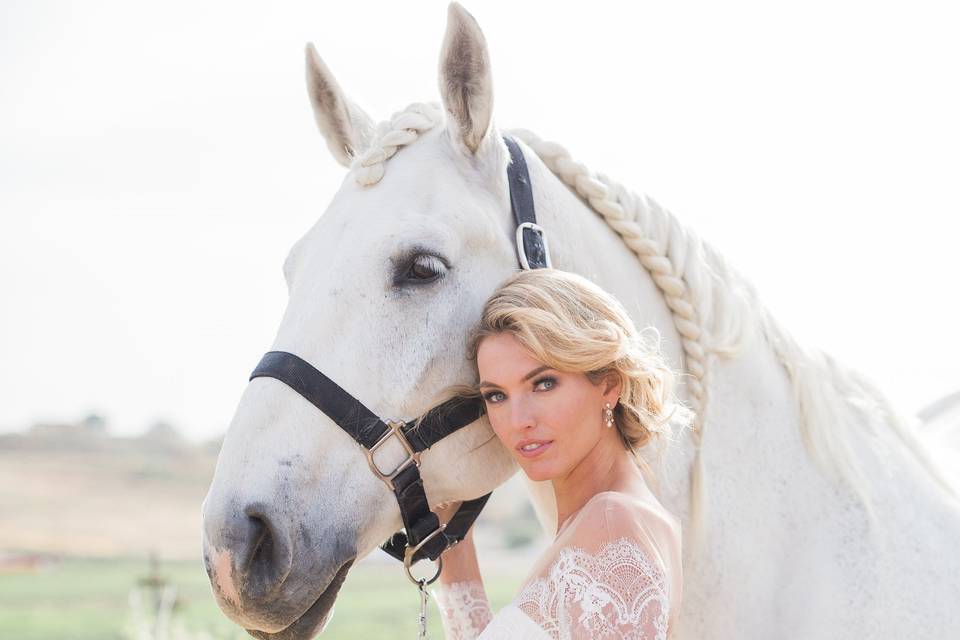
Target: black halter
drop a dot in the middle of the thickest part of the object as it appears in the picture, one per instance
(423, 535)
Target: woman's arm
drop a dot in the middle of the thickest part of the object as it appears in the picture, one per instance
(460, 596)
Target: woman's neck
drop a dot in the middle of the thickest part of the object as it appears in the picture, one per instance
(607, 467)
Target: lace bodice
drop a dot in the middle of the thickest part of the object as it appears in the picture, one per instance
(613, 571)
(617, 593)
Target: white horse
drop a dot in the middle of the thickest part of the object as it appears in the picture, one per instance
(809, 509)
(940, 427)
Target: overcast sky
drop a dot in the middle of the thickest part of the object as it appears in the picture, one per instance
(157, 161)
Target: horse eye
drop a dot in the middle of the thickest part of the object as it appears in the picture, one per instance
(425, 268)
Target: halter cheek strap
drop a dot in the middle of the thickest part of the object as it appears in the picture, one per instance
(422, 526)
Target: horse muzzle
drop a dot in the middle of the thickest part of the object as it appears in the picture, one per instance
(269, 579)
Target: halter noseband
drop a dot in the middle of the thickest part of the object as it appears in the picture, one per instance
(423, 536)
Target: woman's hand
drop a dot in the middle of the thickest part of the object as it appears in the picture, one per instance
(460, 561)
(445, 512)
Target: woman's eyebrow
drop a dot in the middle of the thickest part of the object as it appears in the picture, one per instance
(484, 383)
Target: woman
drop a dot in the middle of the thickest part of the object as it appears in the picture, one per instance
(574, 393)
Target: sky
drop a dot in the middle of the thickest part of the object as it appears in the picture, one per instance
(158, 160)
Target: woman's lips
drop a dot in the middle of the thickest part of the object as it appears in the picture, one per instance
(533, 453)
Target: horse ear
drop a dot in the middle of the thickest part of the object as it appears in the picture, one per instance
(466, 85)
(345, 126)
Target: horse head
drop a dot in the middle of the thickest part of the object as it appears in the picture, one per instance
(383, 291)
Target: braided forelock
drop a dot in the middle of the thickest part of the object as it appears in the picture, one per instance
(403, 128)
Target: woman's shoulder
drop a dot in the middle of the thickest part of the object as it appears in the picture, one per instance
(615, 519)
(626, 512)
(613, 533)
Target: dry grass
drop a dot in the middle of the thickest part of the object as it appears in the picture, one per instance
(100, 503)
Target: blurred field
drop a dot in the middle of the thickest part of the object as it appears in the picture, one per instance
(113, 500)
(88, 600)
(80, 515)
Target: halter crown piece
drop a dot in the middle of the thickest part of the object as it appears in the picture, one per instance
(423, 535)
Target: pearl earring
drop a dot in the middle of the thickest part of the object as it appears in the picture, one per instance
(608, 415)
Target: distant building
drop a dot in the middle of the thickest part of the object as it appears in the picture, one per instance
(62, 435)
(162, 436)
(53, 430)
(94, 424)
(87, 434)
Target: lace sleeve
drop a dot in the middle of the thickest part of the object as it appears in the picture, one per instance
(616, 593)
(464, 609)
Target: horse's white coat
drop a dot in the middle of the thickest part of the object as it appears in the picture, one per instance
(788, 547)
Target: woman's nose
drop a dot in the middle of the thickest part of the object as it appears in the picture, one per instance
(521, 415)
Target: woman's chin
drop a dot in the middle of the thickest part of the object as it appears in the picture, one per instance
(536, 472)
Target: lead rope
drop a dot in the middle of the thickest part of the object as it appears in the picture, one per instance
(422, 584)
(422, 618)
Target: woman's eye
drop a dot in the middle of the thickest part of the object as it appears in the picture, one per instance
(545, 384)
(494, 397)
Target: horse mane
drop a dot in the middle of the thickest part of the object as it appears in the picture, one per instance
(713, 307)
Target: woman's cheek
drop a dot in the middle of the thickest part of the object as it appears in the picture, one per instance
(495, 424)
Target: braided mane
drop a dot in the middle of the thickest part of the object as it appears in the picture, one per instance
(713, 310)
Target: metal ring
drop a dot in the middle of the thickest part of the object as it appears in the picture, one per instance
(412, 551)
(417, 581)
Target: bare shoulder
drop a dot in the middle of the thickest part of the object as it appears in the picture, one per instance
(628, 514)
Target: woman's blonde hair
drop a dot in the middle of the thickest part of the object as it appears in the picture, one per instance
(570, 324)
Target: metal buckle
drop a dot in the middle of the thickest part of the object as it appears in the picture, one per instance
(409, 552)
(521, 250)
(395, 430)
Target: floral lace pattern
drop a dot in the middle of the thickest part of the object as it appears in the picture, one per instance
(617, 593)
(464, 609)
(613, 572)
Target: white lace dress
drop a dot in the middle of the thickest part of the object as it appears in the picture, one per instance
(613, 571)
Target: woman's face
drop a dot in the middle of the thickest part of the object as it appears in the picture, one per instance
(529, 403)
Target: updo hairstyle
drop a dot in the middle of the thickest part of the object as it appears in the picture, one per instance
(570, 324)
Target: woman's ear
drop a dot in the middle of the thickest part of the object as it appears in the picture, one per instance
(612, 386)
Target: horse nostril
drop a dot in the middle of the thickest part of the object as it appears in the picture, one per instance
(266, 558)
(261, 547)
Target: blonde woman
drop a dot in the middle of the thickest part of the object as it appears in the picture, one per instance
(574, 392)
